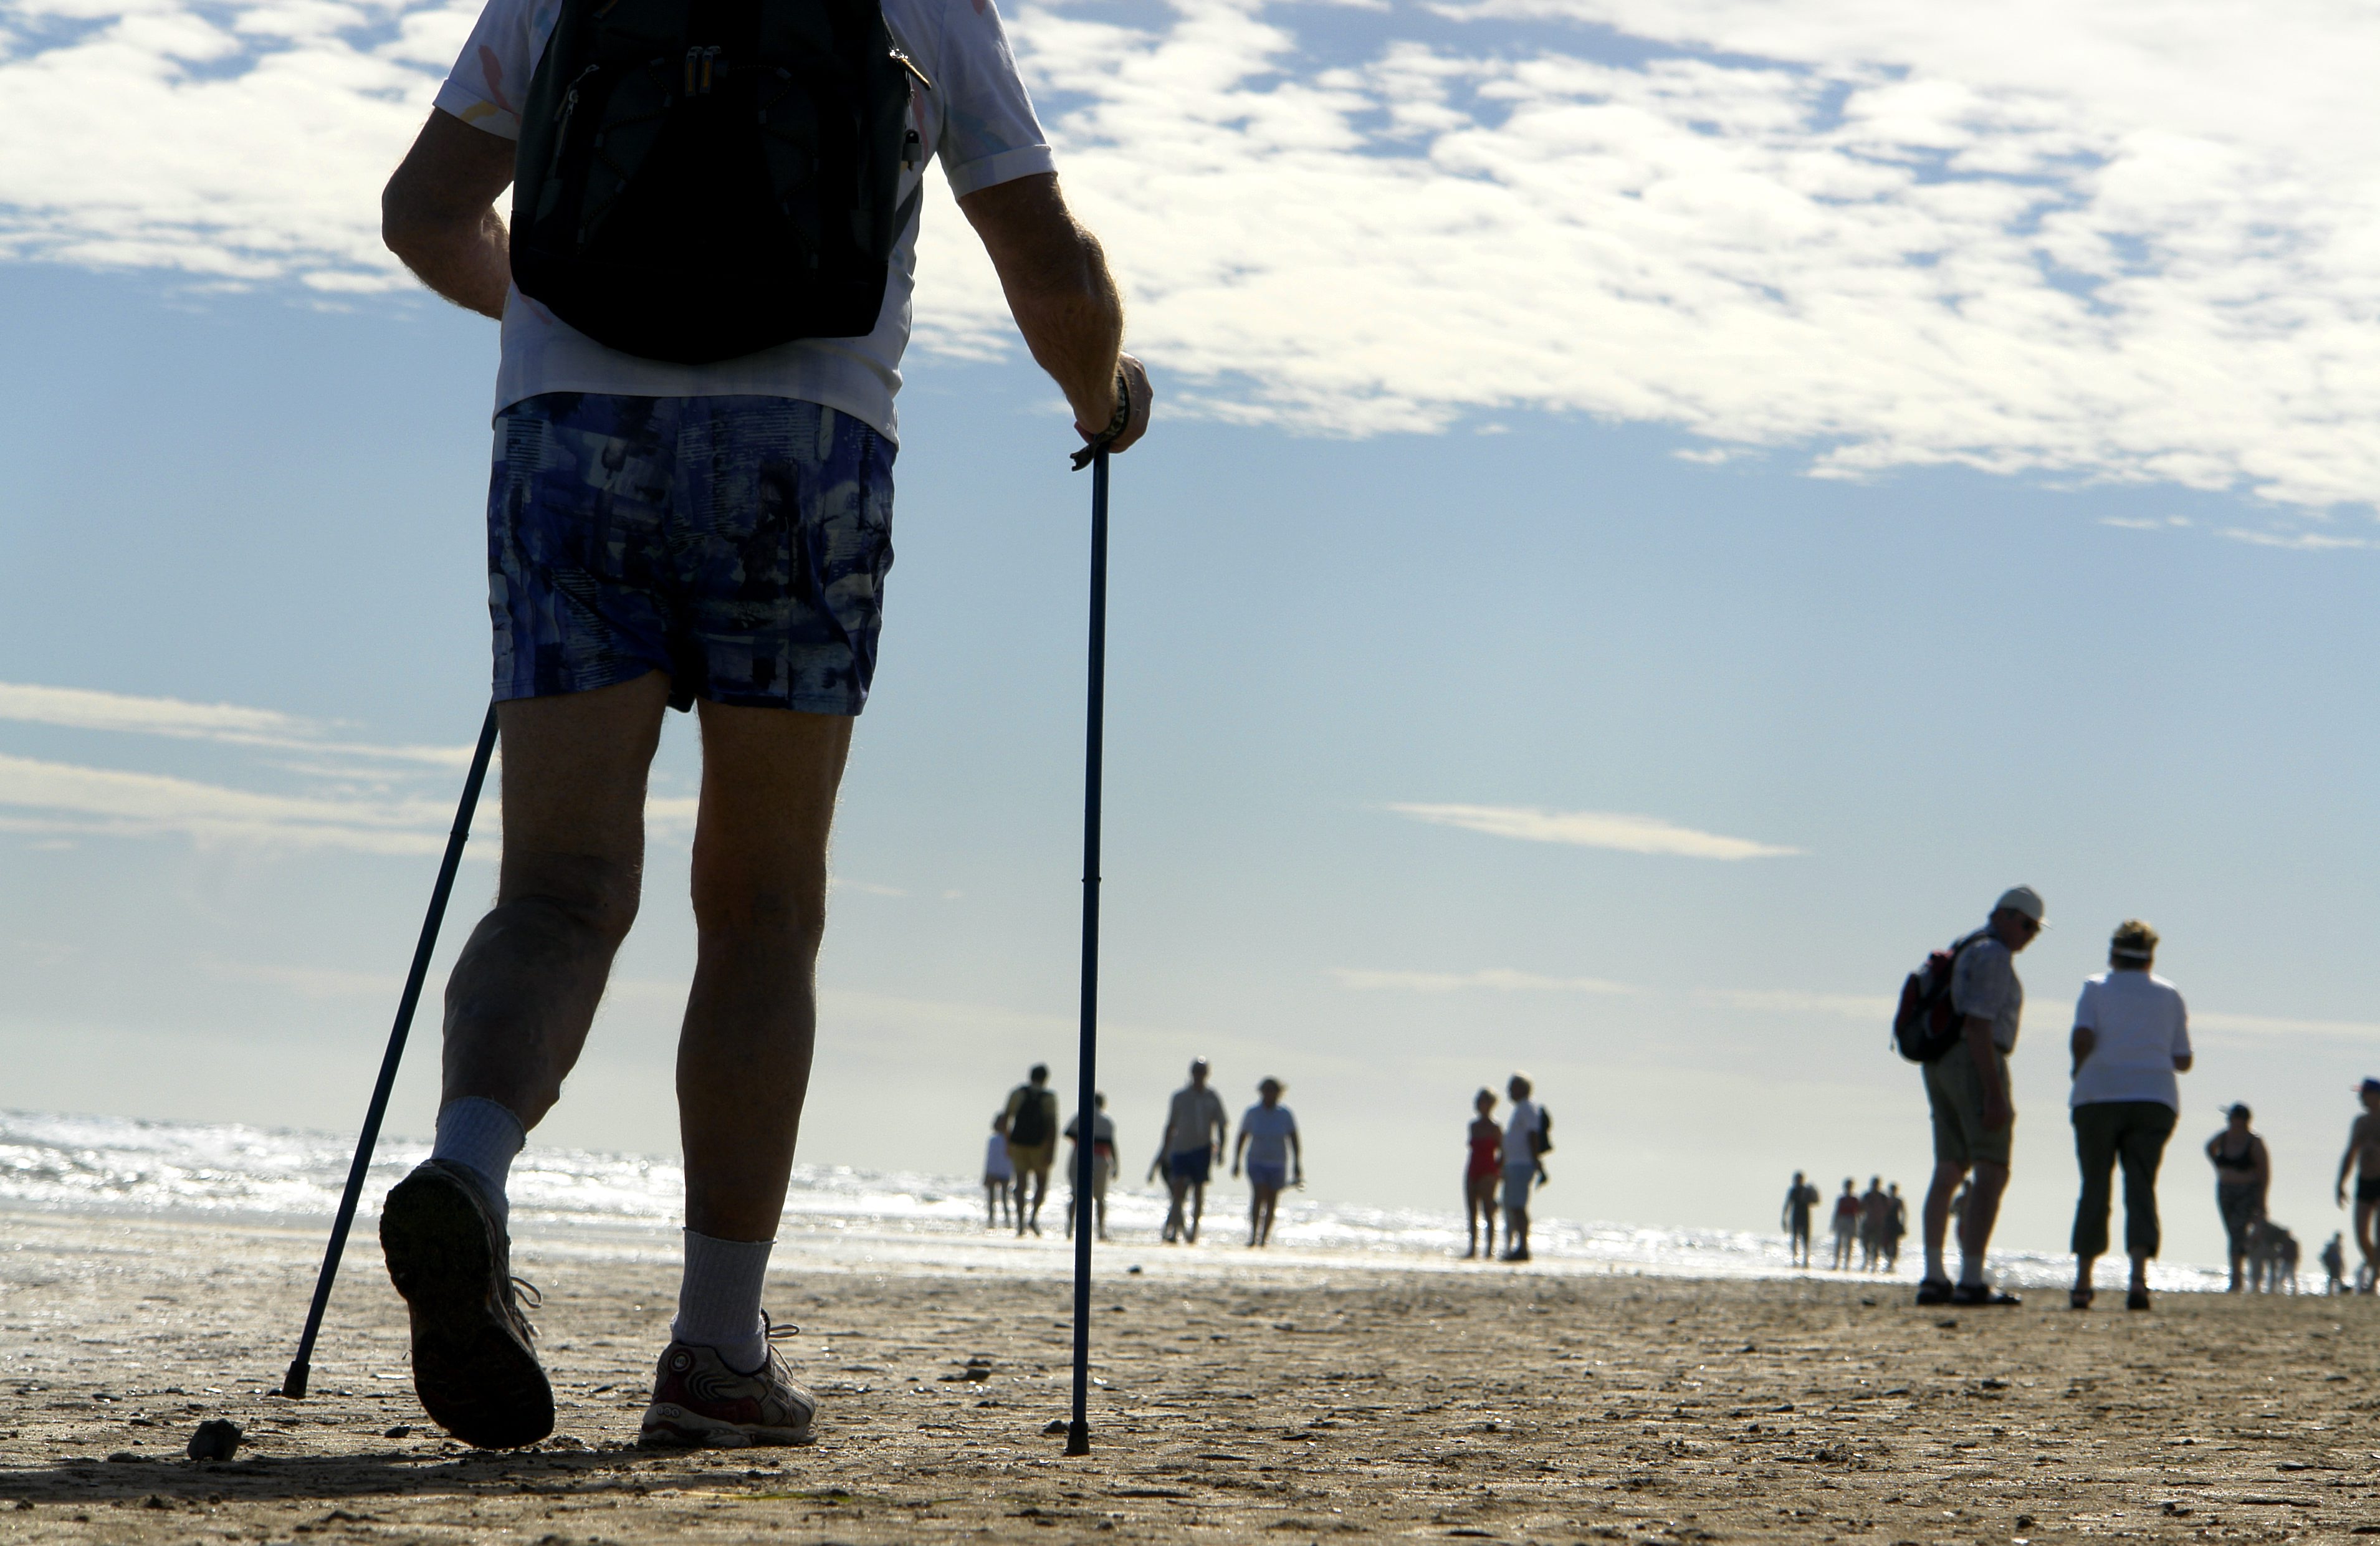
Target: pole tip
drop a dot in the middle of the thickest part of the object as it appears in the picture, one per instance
(293, 1385)
(1079, 1438)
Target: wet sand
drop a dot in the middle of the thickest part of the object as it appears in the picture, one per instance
(1239, 1403)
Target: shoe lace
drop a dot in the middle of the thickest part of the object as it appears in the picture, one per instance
(516, 1288)
(774, 1332)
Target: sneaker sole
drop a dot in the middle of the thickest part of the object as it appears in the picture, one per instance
(473, 1375)
(668, 1425)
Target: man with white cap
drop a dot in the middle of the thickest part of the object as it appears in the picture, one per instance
(1968, 1090)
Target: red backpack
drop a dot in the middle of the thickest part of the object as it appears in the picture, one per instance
(1928, 1024)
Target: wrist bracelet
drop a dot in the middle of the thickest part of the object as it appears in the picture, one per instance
(1116, 423)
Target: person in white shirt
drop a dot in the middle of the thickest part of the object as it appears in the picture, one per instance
(1524, 1166)
(671, 526)
(1103, 1158)
(1268, 1142)
(2131, 1037)
(999, 1175)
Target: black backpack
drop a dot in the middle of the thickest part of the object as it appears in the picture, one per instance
(1545, 1133)
(697, 179)
(1036, 1114)
(1928, 1023)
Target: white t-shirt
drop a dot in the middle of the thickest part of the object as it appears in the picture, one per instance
(1268, 1129)
(1519, 1153)
(977, 118)
(995, 1159)
(1191, 1120)
(2140, 1026)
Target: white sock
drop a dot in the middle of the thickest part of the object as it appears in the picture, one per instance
(719, 1299)
(1935, 1270)
(1971, 1268)
(478, 1132)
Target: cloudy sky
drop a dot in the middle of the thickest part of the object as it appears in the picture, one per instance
(1663, 512)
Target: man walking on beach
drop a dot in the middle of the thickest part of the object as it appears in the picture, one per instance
(1195, 1130)
(1800, 1197)
(1967, 1088)
(665, 532)
(2362, 1157)
(1896, 1229)
(1876, 1218)
(1846, 1224)
(1031, 1119)
(1525, 1148)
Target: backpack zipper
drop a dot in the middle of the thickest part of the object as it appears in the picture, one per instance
(911, 66)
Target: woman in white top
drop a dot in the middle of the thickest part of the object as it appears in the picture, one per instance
(2131, 1037)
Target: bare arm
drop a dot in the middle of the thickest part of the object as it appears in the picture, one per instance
(1066, 302)
(2181, 1061)
(438, 213)
(1978, 1034)
(2084, 1040)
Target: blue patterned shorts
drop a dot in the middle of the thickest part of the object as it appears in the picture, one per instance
(739, 545)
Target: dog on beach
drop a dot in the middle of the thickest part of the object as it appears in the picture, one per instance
(2273, 1254)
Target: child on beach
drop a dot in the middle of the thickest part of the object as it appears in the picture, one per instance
(1480, 1175)
(999, 1177)
(2362, 1157)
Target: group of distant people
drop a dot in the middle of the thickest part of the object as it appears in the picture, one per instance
(1196, 1131)
(1871, 1223)
(2129, 1043)
(1505, 1164)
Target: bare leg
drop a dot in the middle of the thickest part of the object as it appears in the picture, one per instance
(1175, 1222)
(1983, 1210)
(1198, 1207)
(2082, 1265)
(768, 781)
(1946, 1176)
(525, 989)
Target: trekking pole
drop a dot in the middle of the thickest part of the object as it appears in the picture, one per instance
(301, 1368)
(1087, 1120)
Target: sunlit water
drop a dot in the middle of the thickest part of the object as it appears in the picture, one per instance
(625, 1204)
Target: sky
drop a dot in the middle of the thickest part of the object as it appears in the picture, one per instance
(1659, 513)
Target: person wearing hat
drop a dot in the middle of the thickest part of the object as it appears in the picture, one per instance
(2243, 1172)
(1268, 1143)
(2362, 1157)
(2131, 1038)
(1967, 1088)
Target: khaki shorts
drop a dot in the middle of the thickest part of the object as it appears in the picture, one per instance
(1955, 1090)
(1034, 1160)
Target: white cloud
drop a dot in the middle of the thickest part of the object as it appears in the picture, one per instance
(1459, 981)
(2108, 241)
(1592, 829)
(63, 798)
(87, 709)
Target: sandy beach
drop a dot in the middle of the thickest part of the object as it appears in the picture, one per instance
(1238, 1401)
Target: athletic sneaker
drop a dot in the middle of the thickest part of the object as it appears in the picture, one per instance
(473, 1367)
(699, 1401)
